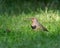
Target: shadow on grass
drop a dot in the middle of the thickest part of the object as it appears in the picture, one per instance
(17, 7)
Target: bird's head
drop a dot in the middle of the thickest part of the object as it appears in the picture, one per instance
(34, 20)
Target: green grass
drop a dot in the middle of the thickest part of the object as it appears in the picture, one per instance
(15, 27)
(21, 35)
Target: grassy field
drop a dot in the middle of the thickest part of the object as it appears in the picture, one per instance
(15, 27)
(16, 32)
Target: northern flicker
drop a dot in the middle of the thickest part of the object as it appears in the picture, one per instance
(36, 25)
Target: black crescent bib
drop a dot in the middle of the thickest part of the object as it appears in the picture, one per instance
(33, 27)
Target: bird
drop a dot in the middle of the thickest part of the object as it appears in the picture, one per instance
(37, 26)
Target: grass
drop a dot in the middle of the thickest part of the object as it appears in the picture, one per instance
(15, 27)
(16, 32)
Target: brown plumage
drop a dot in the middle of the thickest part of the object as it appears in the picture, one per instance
(36, 25)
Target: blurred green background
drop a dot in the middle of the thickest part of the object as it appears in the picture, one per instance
(27, 6)
(15, 28)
